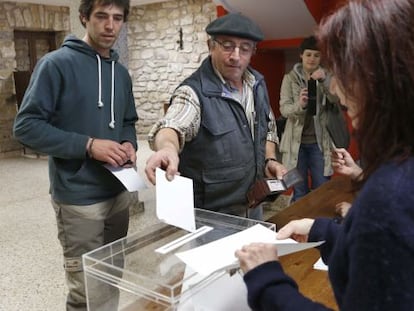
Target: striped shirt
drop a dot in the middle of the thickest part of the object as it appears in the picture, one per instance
(184, 114)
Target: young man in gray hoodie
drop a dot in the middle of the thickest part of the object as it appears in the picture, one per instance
(79, 109)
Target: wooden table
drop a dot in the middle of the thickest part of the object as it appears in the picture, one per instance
(319, 203)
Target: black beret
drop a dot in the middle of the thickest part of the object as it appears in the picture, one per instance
(236, 25)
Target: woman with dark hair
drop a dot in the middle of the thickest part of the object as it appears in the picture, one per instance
(369, 46)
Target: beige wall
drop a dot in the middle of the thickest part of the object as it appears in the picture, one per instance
(75, 26)
(149, 49)
(156, 63)
(20, 16)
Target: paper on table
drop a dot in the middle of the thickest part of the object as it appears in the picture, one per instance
(320, 265)
(219, 254)
(128, 176)
(174, 201)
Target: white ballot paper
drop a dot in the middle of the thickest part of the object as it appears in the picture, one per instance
(175, 201)
(201, 300)
(128, 176)
(219, 254)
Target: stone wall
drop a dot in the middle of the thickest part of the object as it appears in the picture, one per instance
(156, 62)
(20, 16)
(154, 58)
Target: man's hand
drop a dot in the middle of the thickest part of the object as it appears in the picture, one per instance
(130, 150)
(112, 152)
(167, 159)
(274, 169)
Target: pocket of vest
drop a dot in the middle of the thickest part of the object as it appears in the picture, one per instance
(222, 175)
(219, 127)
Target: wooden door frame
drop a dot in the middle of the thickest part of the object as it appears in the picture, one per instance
(31, 37)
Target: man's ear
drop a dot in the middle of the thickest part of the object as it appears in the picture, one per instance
(83, 19)
(210, 44)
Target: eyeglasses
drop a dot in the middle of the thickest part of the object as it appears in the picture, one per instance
(229, 47)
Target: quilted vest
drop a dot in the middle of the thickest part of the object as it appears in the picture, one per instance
(223, 160)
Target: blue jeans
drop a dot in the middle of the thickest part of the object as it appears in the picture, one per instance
(310, 163)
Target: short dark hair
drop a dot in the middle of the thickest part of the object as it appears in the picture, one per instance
(309, 43)
(86, 7)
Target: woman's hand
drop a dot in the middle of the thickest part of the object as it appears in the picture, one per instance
(255, 254)
(303, 98)
(344, 164)
(319, 74)
(342, 208)
(296, 229)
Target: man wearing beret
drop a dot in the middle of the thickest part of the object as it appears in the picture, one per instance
(219, 129)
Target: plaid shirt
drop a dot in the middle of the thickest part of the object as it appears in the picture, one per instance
(184, 115)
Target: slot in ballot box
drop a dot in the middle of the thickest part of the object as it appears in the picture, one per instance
(133, 274)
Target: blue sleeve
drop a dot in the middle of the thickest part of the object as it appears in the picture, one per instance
(378, 244)
(270, 289)
(33, 124)
(382, 277)
(324, 229)
(129, 132)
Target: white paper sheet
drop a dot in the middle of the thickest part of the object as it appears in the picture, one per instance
(175, 201)
(219, 254)
(320, 265)
(211, 298)
(128, 176)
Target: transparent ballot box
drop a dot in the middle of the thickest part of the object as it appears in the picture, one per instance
(132, 274)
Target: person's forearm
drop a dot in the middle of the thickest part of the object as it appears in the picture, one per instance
(270, 150)
(166, 138)
(357, 173)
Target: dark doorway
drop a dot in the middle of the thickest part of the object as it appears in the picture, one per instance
(30, 46)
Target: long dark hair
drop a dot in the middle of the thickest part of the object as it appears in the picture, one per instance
(369, 46)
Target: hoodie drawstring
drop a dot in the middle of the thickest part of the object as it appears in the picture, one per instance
(112, 123)
(100, 103)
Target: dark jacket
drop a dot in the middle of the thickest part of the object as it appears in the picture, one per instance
(370, 255)
(61, 109)
(223, 160)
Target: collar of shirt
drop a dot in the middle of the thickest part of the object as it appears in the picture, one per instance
(245, 99)
(247, 78)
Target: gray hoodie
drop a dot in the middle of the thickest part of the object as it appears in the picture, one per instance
(75, 94)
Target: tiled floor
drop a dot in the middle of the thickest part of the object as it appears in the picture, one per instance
(31, 273)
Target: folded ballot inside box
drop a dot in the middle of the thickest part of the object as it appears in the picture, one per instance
(268, 189)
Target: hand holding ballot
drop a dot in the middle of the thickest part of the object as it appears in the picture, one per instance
(253, 255)
(225, 249)
(297, 230)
